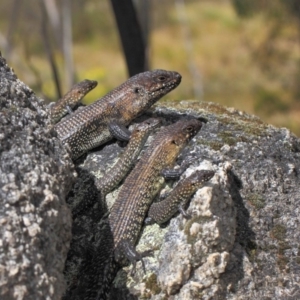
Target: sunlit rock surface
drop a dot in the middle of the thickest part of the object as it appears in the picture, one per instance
(242, 241)
(35, 176)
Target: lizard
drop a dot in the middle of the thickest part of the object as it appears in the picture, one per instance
(71, 99)
(106, 118)
(124, 164)
(115, 236)
(143, 183)
(162, 211)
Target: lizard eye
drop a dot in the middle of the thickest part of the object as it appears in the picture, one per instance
(161, 78)
(189, 129)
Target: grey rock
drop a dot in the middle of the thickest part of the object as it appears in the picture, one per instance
(36, 174)
(243, 239)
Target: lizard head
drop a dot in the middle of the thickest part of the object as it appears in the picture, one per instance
(174, 138)
(155, 84)
(185, 130)
(79, 90)
(148, 125)
(200, 176)
(148, 87)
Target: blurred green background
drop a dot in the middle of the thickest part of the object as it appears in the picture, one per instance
(240, 53)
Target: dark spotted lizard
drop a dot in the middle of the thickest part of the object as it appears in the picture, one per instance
(143, 183)
(71, 99)
(106, 118)
(162, 211)
(124, 164)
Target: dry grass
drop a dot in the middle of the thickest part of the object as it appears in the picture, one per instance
(235, 69)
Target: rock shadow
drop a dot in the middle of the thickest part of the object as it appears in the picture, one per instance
(90, 267)
(244, 240)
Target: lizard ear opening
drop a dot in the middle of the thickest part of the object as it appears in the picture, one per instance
(137, 90)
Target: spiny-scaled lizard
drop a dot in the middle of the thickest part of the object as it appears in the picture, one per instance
(162, 211)
(143, 183)
(124, 164)
(106, 118)
(115, 236)
(71, 99)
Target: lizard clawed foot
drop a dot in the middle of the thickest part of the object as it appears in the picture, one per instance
(184, 213)
(133, 256)
(149, 221)
(141, 256)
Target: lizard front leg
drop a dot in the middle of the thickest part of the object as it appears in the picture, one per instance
(176, 173)
(119, 131)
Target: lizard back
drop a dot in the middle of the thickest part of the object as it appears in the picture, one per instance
(142, 184)
(162, 211)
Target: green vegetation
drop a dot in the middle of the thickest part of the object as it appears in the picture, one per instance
(196, 219)
(257, 200)
(279, 233)
(246, 52)
(251, 248)
(215, 145)
(298, 256)
(152, 285)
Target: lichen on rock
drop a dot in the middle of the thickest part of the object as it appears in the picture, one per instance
(36, 173)
(254, 245)
(190, 255)
(242, 241)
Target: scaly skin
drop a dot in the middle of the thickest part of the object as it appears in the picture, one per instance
(89, 127)
(115, 236)
(162, 211)
(71, 99)
(127, 159)
(143, 183)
